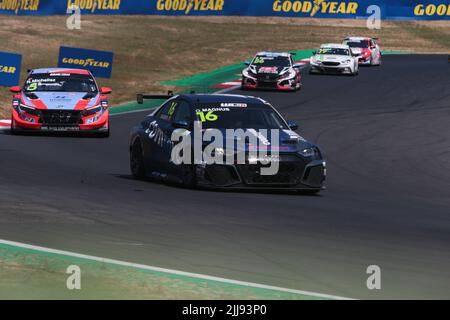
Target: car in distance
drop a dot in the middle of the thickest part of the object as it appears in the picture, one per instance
(272, 70)
(334, 58)
(301, 165)
(367, 50)
(60, 100)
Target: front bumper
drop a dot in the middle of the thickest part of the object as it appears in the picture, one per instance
(339, 69)
(282, 85)
(294, 174)
(364, 60)
(47, 123)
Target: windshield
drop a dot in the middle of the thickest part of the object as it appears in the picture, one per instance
(238, 116)
(336, 51)
(266, 61)
(60, 82)
(358, 44)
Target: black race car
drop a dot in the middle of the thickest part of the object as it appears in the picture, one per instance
(272, 70)
(229, 141)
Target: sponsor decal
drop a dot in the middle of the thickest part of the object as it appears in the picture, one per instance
(234, 105)
(188, 6)
(268, 70)
(315, 7)
(98, 62)
(208, 147)
(432, 9)
(94, 5)
(10, 64)
(17, 6)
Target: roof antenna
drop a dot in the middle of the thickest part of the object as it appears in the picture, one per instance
(170, 93)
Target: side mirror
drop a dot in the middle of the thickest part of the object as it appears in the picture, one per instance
(15, 89)
(292, 125)
(314, 53)
(105, 90)
(181, 124)
(247, 62)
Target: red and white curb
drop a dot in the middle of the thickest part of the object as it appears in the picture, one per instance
(5, 124)
(237, 82)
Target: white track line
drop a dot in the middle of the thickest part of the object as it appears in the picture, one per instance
(5, 124)
(169, 271)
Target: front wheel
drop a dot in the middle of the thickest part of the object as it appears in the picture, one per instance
(189, 176)
(137, 165)
(104, 134)
(311, 192)
(13, 130)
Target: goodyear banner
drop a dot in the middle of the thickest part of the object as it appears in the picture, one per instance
(390, 9)
(98, 62)
(10, 69)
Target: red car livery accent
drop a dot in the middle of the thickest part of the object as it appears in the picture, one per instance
(367, 50)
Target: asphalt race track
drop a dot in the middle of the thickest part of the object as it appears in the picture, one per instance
(386, 138)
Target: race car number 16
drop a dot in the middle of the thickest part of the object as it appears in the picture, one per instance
(209, 116)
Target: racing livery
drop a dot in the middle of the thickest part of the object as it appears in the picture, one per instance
(334, 58)
(271, 70)
(367, 50)
(60, 100)
(301, 165)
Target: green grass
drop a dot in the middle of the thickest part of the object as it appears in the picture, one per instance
(31, 274)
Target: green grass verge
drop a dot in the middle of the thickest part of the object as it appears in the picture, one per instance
(34, 274)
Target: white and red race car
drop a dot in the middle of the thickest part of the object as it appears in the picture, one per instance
(367, 49)
(60, 100)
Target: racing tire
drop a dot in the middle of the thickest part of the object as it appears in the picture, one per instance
(189, 177)
(13, 131)
(137, 165)
(104, 134)
(311, 192)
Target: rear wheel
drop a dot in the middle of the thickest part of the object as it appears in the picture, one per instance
(137, 165)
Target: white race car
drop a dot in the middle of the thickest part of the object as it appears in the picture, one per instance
(367, 49)
(334, 58)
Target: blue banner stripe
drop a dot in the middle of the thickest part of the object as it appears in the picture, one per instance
(98, 62)
(10, 64)
(390, 9)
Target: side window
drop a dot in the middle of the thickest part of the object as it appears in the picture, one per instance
(167, 111)
(183, 112)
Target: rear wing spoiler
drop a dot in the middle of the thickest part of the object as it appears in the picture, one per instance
(140, 97)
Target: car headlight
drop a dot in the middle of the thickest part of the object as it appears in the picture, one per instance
(93, 110)
(315, 60)
(248, 73)
(288, 75)
(30, 110)
(309, 152)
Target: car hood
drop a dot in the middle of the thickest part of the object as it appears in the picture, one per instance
(288, 141)
(332, 57)
(60, 100)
